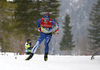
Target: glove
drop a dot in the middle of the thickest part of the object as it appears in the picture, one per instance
(39, 29)
(56, 31)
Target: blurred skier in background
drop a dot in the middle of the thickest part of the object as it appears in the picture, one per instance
(28, 47)
(45, 26)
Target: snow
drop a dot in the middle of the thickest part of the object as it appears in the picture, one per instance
(55, 62)
(9, 0)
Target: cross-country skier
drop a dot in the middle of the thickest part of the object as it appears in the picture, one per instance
(28, 47)
(45, 26)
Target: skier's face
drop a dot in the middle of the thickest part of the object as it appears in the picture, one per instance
(46, 20)
(29, 41)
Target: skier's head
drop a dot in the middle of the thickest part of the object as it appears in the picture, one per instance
(29, 40)
(46, 17)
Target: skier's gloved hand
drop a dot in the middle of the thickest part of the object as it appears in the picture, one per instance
(56, 32)
(39, 29)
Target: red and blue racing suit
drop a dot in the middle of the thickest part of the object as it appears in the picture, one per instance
(45, 33)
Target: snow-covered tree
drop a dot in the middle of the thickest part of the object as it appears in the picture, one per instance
(67, 43)
(94, 30)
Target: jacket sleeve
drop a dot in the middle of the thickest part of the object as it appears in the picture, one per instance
(27, 46)
(38, 25)
(57, 25)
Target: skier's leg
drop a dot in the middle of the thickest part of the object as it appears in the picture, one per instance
(29, 57)
(47, 40)
(38, 42)
(46, 56)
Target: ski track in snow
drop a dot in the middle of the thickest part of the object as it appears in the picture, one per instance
(55, 62)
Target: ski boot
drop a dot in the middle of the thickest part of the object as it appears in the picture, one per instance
(46, 57)
(30, 56)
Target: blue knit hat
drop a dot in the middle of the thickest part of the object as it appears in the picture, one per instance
(46, 15)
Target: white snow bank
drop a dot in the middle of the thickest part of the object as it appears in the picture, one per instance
(8, 62)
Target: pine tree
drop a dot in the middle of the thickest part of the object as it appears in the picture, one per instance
(67, 43)
(6, 24)
(94, 30)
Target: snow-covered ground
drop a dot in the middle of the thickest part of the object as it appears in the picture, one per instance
(55, 62)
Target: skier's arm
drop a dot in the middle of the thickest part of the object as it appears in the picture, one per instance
(38, 25)
(30, 48)
(57, 26)
(27, 46)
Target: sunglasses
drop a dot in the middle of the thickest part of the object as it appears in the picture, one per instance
(46, 18)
